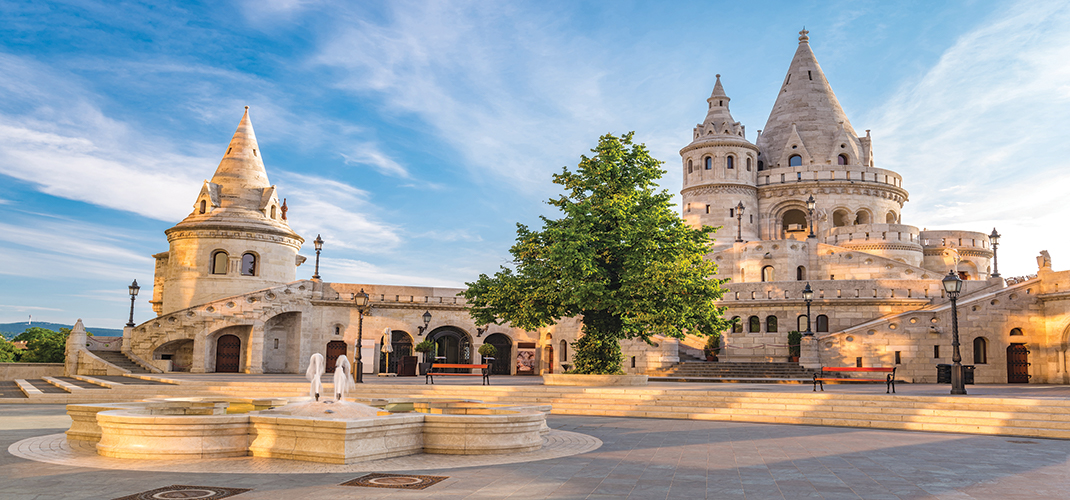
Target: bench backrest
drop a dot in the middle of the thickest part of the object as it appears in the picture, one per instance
(857, 369)
(454, 365)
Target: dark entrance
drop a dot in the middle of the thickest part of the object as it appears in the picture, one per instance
(335, 348)
(503, 360)
(549, 358)
(1017, 364)
(227, 354)
(402, 345)
(452, 345)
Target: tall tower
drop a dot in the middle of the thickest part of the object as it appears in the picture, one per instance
(808, 148)
(235, 241)
(720, 173)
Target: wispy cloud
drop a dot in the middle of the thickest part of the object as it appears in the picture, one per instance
(27, 308)
(68, 249)
(357, 271)
(985, 128)
(369, 154)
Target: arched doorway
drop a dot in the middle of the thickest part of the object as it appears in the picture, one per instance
(179, 352)
(1017, 364)
(227, 354)
(452, 344)
(335, 348)
(402, 345)
(794, 224)
(503, 360)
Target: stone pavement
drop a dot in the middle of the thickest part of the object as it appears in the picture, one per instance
(639, 458)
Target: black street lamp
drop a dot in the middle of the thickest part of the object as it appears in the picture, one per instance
(319, 246)
(811, 203)
(739, 219)
(427, 321)
(808, 296)
(361, 299)
(953, 285)
(133, 294)
(994, 238)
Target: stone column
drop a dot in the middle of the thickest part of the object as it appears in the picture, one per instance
(128, 333)
(75, 344)
(200, 354)
(255, 354)
(808, 357)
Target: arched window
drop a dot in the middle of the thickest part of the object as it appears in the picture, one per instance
(801, 323)
(770, 323)
(754, 325)
(822, 323)
(839, 218)
(730, 162)
(862, 217)
(800, 273)
(795, 161)
(1016, 331)
(767, 273)
(272, 211)
(980, 351)
(709, 162)
(204, 206)
(737, 325)
(220, 261)
(248, 264)
(761, 165)
(890, 218)
(841, 160)
(690, 166)
(748, 164)
(564, 351)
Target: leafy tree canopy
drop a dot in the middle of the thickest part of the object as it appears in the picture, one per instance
(619, 256)
(43, 345)
(8, 352)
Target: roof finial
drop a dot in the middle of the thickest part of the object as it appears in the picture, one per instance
(802, 36)
(247, 108)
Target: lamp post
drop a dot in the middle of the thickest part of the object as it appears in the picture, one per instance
(361, 299)
(319, 246)
(810, 204)
(994, 238)
(133, 294)
(953, 285)
(808, 296)
(739, 219)
(427, 321)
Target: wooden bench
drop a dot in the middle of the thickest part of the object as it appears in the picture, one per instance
(484, 371)
(889, 380)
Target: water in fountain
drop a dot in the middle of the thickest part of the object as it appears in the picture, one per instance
(336, 409)
(315, 371)
(342, 380)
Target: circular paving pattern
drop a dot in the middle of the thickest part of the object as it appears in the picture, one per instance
(55, 449)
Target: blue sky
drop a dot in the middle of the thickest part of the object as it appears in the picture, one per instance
(414, 135)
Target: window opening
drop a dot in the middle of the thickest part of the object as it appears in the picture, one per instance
(898, 358)
(709, 162)
(795, 161)
(754, 325)
(822, 323)
(689, 166)
(1016, 331)
(767, 273)
(220, 261)
(730, 162)
(980, 351)
(770, 324)
(204, 206)
(737, 325)
(936, 351)
(842, 160)
(810, 75)
(248, 264)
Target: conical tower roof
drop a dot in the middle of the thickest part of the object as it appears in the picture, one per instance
(719, 124)
(241, 173)
(806, 104)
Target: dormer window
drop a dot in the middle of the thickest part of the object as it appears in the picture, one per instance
(841, 160)
(795, 161)
(272, 211)
(204, 206)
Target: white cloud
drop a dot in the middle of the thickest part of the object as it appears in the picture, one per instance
(68, 249)
(981, 138)
(369, 154)
(27, 308)
(356, 271)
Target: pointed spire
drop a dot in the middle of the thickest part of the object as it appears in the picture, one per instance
(241, 171)
(718, 121)
(806, 99)
(718, 90)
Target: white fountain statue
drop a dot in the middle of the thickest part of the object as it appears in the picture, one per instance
(316, 369)
(342, 381)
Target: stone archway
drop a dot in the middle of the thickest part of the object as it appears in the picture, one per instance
(503, 359)
(402, 344)
(228, 354)
(453, 344)
(179, 352)
(212, 342)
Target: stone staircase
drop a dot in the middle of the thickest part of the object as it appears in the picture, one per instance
(121, 360)
(727, 371)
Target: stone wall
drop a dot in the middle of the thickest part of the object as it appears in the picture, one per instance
(12, 371)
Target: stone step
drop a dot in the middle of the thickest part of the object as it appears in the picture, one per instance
(120, 360)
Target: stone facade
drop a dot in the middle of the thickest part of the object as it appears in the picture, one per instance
(878, 298)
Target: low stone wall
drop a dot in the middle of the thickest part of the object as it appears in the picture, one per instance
(594, 380)
(12, 371)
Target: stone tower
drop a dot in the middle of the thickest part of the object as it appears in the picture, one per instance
(235, 241)
(720, 173)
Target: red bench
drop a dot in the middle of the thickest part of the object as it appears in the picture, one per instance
(889, 380)
(484, 371)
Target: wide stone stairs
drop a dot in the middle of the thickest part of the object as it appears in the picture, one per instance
(121, 360)
(704, 371)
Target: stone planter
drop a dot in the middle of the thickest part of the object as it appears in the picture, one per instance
(593, 380)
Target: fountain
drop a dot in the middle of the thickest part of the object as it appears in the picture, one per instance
(329, 431)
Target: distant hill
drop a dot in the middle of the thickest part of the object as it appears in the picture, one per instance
(10, 330)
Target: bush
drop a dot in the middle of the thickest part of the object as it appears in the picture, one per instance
(425, 346)
(713, 343)
(794, 343)
(488, 351)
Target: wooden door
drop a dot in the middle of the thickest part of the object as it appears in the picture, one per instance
(549, 358)
(227, 354)
(335, 348)
(1017, 364)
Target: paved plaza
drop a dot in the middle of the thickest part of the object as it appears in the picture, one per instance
(638, 458)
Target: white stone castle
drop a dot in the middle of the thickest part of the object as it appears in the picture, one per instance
(804, 203)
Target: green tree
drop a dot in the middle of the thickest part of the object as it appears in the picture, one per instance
(8, 352)
(43, 345)
(620, 257)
